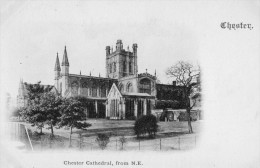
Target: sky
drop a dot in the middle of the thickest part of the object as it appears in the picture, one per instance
(33, 32)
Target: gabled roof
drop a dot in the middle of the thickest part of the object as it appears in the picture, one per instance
(114, 87)
(23, 90)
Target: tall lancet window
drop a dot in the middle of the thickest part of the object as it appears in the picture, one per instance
(103, 91)
(129, 88)
(74, 89)
(130, 67)
(114, 67)
(110, 68)
(124, 66)
(85, 89)
(94, 91)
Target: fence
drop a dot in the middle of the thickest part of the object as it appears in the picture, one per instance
(34, 141)
(132, 144)
(17, 132)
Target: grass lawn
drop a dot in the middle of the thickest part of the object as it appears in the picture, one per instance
(168, 131)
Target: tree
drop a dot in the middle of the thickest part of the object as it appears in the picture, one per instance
(163, 104)
(16, 112)
(51, 104)
(73, 114)
(8, 101)
(146, 124)
(102, 140)
(184, 73)
(33, 112)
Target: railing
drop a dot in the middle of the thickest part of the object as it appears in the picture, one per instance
(35, 141)
(18, 132)
(131, 144)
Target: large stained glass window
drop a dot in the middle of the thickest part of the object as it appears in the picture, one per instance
(145, 86)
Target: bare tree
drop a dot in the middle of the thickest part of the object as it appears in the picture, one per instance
(185, 75)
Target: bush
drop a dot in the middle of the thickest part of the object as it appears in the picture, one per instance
(122, 141)
(131, 118)
(146, 124)
(102, 140)
(16, 112)
(184, 116)
(162, 104)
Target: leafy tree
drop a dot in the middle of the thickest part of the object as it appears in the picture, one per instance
(73, 114)
(33, 112)
(16, 112)
(51, 104)
(146, 124)
(102, 140)
(185, 75)
(8, 100)
(174, 104)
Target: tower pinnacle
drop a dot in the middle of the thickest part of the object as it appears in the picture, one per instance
(65, 61)
(57, 64)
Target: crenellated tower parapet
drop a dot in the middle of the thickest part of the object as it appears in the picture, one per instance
(121, 63)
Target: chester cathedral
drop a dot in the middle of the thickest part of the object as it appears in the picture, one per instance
(122, 94)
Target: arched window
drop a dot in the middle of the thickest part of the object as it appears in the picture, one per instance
(145, 86)
(130, 67)
(110, 68)
(124, 66)
(60, 88)
(74, 89)
(85, 89)
(121, 88)
(94, 91)
(114, 67)
(130, 87)
(103, 91)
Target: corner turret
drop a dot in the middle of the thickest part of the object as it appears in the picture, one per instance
(119, 45)
(135, 58)
(135, 49)
(107, 50)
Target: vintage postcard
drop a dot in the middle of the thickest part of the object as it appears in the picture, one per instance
(129, 84)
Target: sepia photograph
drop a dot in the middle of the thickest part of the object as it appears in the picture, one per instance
(129, 83)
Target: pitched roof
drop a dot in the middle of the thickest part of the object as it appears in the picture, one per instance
(136, 94)
(114, 88)
(23, 90)
(92, 77)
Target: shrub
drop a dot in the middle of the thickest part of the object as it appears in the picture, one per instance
(146, 124)
(122, 141)
(102, 140)
(162, 104)
(131, 118)
(184, 116)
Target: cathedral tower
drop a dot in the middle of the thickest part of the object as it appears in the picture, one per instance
(121, 63)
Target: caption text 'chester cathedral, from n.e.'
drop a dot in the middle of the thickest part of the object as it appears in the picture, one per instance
(122, 94)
